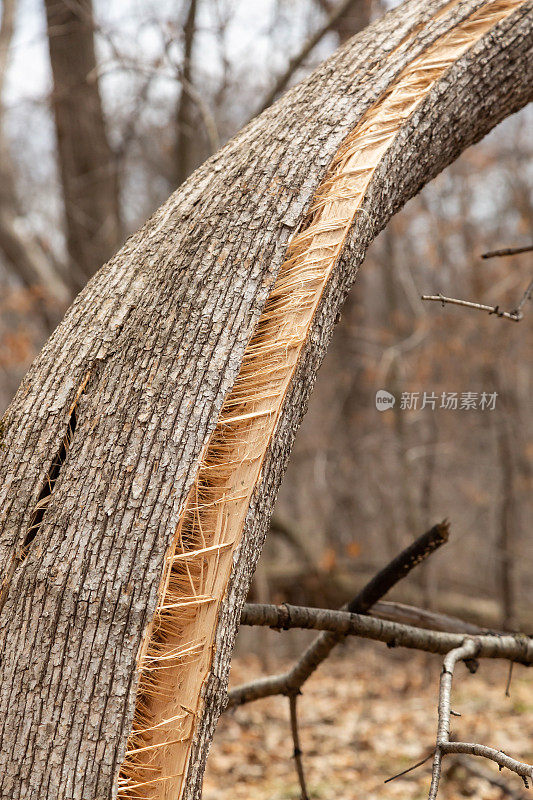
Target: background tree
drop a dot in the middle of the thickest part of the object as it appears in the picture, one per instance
(86, 162)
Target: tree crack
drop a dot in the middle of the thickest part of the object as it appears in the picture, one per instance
(45, 494)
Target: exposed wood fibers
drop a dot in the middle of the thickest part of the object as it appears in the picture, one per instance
(177, 654)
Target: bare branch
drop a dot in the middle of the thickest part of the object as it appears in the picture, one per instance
(319, 650)
(297, 749)
(189, 96)
(507, 251)
(208, 119)
(514, 316)
(297, 60)
(470, 649)
(417, 552)
(498, 756)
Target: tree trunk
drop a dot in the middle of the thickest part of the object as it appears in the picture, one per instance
(86, 163)
(142, 453)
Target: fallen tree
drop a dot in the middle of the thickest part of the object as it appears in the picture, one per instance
(142, 453)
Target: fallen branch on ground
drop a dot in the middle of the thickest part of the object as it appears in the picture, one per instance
(353, 620)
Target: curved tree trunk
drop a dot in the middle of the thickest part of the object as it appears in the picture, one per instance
(142, 454)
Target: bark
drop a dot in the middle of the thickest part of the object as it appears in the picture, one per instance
(102, 442)
(86, 162)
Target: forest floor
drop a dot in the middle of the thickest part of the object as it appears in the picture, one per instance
(365, 715)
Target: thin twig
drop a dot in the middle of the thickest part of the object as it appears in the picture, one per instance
(498, 756)
(509, 679)
(321, 647)
(507, 251)
(514, 316)
(410, 769)
(297, 749)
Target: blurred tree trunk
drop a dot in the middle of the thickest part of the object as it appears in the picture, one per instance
(86, 162)
(24, 253)
(507, 537)
(184, 113)
(102, 443)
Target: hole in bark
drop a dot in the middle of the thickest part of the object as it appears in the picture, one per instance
(49, 484)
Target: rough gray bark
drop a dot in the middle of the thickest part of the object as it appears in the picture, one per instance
(86, 162)
(141, 364)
